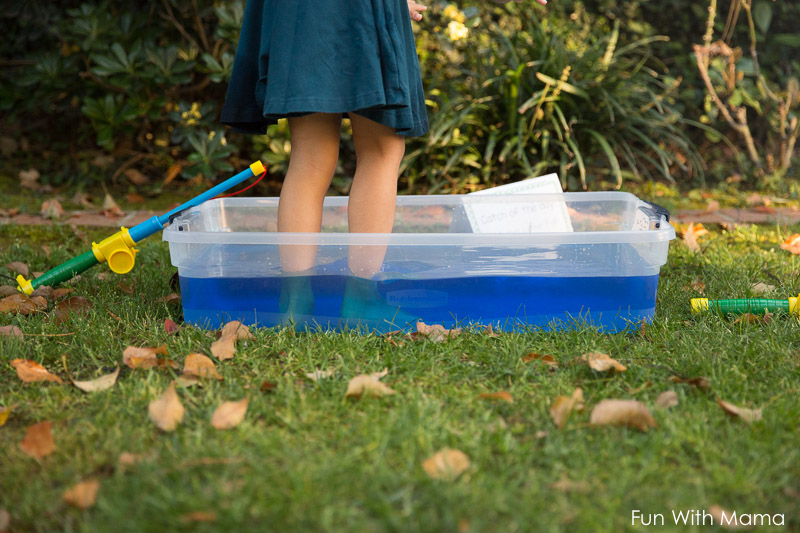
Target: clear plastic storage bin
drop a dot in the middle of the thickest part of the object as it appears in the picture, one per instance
(512, 261)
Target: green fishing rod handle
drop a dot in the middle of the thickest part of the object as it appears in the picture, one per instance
(743, 305)
(63, 272)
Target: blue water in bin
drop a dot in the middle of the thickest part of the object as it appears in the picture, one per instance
(508, 303)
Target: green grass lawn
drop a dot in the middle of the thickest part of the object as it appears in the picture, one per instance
(306, 458)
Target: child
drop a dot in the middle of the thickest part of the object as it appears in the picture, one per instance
(314, 61)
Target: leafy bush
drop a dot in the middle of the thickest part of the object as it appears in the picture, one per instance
(520, 96)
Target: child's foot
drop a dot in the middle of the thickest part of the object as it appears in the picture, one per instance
(363, 301)
(296, 303)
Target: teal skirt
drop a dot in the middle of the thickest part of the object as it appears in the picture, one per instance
(309, 56)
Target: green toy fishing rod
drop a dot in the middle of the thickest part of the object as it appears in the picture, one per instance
(118, 250)
(747, 305)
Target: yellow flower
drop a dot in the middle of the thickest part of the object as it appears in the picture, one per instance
(457, 31)
(453, 12)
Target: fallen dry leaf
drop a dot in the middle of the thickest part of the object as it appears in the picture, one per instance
(224, 348)
(699, 382)
(229, 414)
(166, 412)
(622, 413)
(197, 364)
(52, 209)
(136, 176)
(762, 288)
(188, 381)
(170, 298)
(18, 303)
(38, 441)
(239, 330)
(602, 362)
(11, 331)
(748, 415)
(128, 459)
(447, 464)
(792, 244)
(436, 332)
(548, 360)
(7, 290)
(77, 305)
(83, 495)
(726, 519)
(4, 414)
(110, 207)
(699, 286)
(268, 386)
(144, 357)
(198, 516)
(170, 326)
(503, 396)
(691, 234)
(100, 384)
(317, 375)
(566, 485)
(667, 399)
(5, 520)
(31, 371)
(19, 268)
(563, 406)
(369, 385)
(28, 179)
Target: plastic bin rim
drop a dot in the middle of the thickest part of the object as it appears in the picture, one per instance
(665, 234)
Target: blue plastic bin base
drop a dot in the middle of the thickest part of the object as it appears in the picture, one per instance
(507, 303)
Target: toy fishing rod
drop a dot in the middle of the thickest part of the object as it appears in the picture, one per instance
(747, 305)
(118, 250)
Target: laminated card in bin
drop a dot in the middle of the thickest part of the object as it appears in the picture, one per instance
(597, 263)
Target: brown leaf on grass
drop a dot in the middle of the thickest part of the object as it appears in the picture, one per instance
(503, 396)
(567, 485)
(83, 495)
(699, 286)
(602, 362)
(145, 357)
(268, 386)
(667, 399)
(699, 382)
(762, 288)
(32, 372)
(691, 234)
(229, 414)
(224, 348)
(622, 413)
(166, 412)
(74, 304)
(110, 207)
(28, 179)
(170, 298)
(5, 521)
(238, 330)
(317, 375)
(752, 318)
(188, 381)
(38, 441)
(82, 198)
(747, 415)
(52, 209)
(197, 364)
(18, 304)
(127, 459)
(792, 244)
(100, 384)
(368, 385)
(172, 173)
(170, 326)
(198, 516)
(11, 331)
(136, 177)
(712, 206)
(436, 332)
(447, 464)
(636, 390)
(726, 519)
(5, 412)
(548, 360)
(563, 406)
(19, 268)
(7, 290)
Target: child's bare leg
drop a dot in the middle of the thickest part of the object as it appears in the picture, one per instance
(315, 152)
(379, 152)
